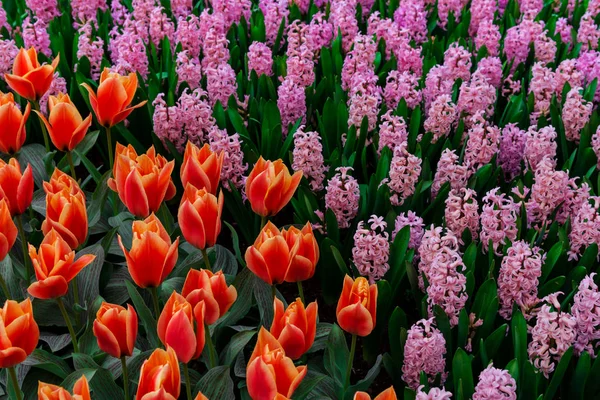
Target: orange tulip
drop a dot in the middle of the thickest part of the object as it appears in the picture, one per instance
(30, 79)
(203, 285)
(159, 377)
(201, 167)
(296, 327)
(19, 333)
(55, 266)
(16, 187)
(142, 182)
(388, 394)
(270, 373)
(8, 230)
(176, 327)
(13, 132)
(357, 307)
(112, 102)
(116, 329)
(152, 255)
(200, 396)
(199, 216)
(64, 124)
(270, 186)
(81, 391)
(305, 252)
(65, 209)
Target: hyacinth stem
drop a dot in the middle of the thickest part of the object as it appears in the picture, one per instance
(111, 158)
(13, 378)
(36, 107)
(125, 378)
(212, 359)
(154, 292)
(63, 311)
(350, 362)
(300, 292)
(24, 248)
(206, 259)
(188, 382)
(71, 165)
(4, 288)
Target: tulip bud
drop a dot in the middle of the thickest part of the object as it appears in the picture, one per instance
(305, 253)
(357, 307)
(152, 256)
(30, 79)
(295, 328)
(8, 230)
(159, 377)
(20, 332)
(201, 167)
(64, 124)
(199, 217)
(212, 289)
(55, 266)
(13, 132)
(16, 187)
(81, 391)
(142, 182)
(388, 394)
(270, 186)
(116, 329)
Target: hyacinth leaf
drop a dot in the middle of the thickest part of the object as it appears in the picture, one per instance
(493, 343)
(558, 374)
(519, 337)
(580, 376)
(462, 373)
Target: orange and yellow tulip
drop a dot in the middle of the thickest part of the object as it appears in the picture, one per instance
(212, 289)
(152, 255)
(357, 307)
(143, 181)
(201, 167)
(55, 266)
(270, 186)
(296, 327)
(199, 216)
(388, 394)
(64, 124)
(160, 378)
(305, 253)
(112, 102)
(81, 391)
(19, 333)
(29, 78)
(116, 329)
(13, 132)
(16, 187)
(8, 230)
(270, 373)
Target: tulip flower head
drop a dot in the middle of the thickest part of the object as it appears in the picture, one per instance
(357, 307)
(12, 120)
(305, 252)
(143, 181)
(270, 186)
(199, 216)
(81, 391)
(20, 332)
(270, 373)
(64, 124)
(116, 329)
(8, 230)
(30, 79)
(152, 255)
(55, 266)
(388, 394)
(200, 396)
(16, 187)
(212, 289)
(296, 327)
(201, 167)
(160, 377)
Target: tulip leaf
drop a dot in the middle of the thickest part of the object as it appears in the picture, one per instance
(49, 362)
(224, 260)
(244, 284)
(216, 384)
(235, 345)
(98, 201)
(336, 355)
(366, 382)
(89, 277)
(56, 342)
(309, 384)
(34, 154)
(144, 314)
(102, 384)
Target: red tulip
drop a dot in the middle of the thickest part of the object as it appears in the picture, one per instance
(64, 124)
(13, 133)
(16, 186)
(295, 328)
(159, 377)
(201, 167)
(19, 333)
(199, 216)
(388, 394)
(200, 396)
(357, 307)
(8, 230)
(30, 79)
(116, 329)
(203, 285)
(305, 253)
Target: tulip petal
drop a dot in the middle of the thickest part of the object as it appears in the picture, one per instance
(11, 357)
(78, 265)
(256, 193)
(361, 396)
(260, 380)
(20, 85)
(49, 288)
(256, 264)
(180, 337)
(93, 100)
(345, 295)
(107, 341)
(191, 225)
(301, 373)
(312, 312)
(293, 341)
(125, 113)
(356, 320)
(135, 195)
(276, 255)
(131, 329)
(112, 98)
(80, 132)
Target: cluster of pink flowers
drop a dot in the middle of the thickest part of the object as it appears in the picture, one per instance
(364, 100)
(550, 189)
(567, 72)
(588, 33)
(477, 95)
(462, 212)
(188, 35)
(433, 241)
(437, 84)
(343, 17)
(188, 69)
(128, 49)
(275, 12)
(234, 166)
(495, 384)
(260, 59)
(160, 26)
(392, 132)
(433, 394)
(90, 47)
(8, 52)
(542, 86)
(412, 220)
(446, 7)
(35, 34)
(45, 10)
(539, 144)
(449, 170)
(308, 157)
(498, 220)
(405, 169)
(441, 117)
(458, 62)
(319, 33)
(512, 150)
(585, 227)
(371, 249)
(360, 60)
(291, 101)
(586, 311)
(342, 196)
(402, 85)
(424, 351)
(490, 68)
(300, 58)
(84, 11)
(488, 35)
(576, 114)
(411, 16)
(482, 145)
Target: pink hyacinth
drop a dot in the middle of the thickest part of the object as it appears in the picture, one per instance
(188, 70)
(160, 27)
(576, 114)
(342, 196)
(196, 115)
(441, 117)
(343, 17)
(411, 16)
(234, 166)
(462, 212)
(511, 87)
(542, 86)
(90, 47)
(220, 83)
(232, 10)
(567, 71)
(188, 34)
(435, 241)
(319, 33)
(563, 29)
(8, 52)
(550, 190)
(512, 150)
(437, 83)
(491, 69)
(545, 48)
(402, 85)
(58, 85)
(475, 96)
(260, 59)
(181, 8)
(433, 394)
(449, 170)
(371, 249)
(215, 48)
(118, 12)
(488, 35)
(495, 384)
(392, 132)
(308, 157)
(84, 11)
(586, 311)
(520, 271)
(424, 351)
(445, 7)
(128, 50)
(35, 34)
(405, 169)
(45, 10)
(457, 60)
(300, 67)
(291, 101)
(530, 7)
(498, 220)
(410, 58)
(416, 225)
(589, 64)
(596, 144)
(576, 197)
(364, 100)
(588, 33)
(360, 60)
(585, 228)
(274, 11)
(396, 41)
(481, 11)
(539, 144)
(553, 334)
(482, 145)
(167, 123)
(142, 10)
(517, 40)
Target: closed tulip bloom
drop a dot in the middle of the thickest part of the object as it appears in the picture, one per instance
(201, 167)
(388, 394)
(64, 124)
(55, 266)
(65, 209)
(13, 132)
(8, 230)
(19, 333)
(305, 253)
(116, 329)
(176, 327)
(295, 328)
(30, 79)
(199, 216)
(270, 373)
(159, 377)
(112, 102)
(270, 186)
(16, 187)
(81, 391)
(152, 255)
(269, 256)
(143, 181)
(212, 289)
(357, 307)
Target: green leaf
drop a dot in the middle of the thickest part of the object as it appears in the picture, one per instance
(235, 345)
(580, 376)
(592, 388)
(145, 316)
(558, 375)
(216, 384)
(49, 362)
(551, 258)
(308, 384)
(462, 372)
(366, 382)
(493, 342)
(34, 154)
(336, 355)
(519, 336)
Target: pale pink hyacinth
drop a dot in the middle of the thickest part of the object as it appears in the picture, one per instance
(596, 144)
(491, 69)
(416, 225)
(167, 123)
(234, 166)
(424, 351)
(118, 12)
(85, 11)
(437, 83)
(8, 52)
(410, 58)
(214, 47)
(518, 279)
(445, 7)
(588, 33)
(488, 35)
(462, 212)
(495, 384)
(188, 34)
(160, 27)
(550, 190)
(517, 40)
(458, 62)
(342, 15)
(371, 249)
(477, 95)
(220, 83)
(447, 285)
(411, 16)
(441, 117)
(392, 132)
(589, 64)
(232, 10)
(531, 7)
(405, 169)
(542, 86)
(260, 59)
(586, 311)
(360, 60)
(567, 72)
(433, 394)
(576, 114)
(498, 220)
(585, 228)
(512, 150)
(435, 241)
(539, 144)
(90, 47)
(319, 33)
(364, 100)
(181, 8)
(46, 10)
(300, 67)
(128, 50)
(554, 332)
(481, 11)
(449, 170)
(188, 70)
(576, 197)
(402, 85)
(563, 29)
(142, 10)
(387, 29)
(58, 85)
(274, 11)
(35, 34)
(291, 101)
(545, 48)
(511, 87)
(196, 114)
(482, 145)
(308, 157)
(342, 196)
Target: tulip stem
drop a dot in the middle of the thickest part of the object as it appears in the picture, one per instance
(61, 306)
(110, 149)
(125, 378)
(211, 348)
(71, 165)
(36, 107)
(274, 291)
(15, 383)
(154, 292)
(75, 291)
(206, 259)
(263, 221)
(300, 292)
(188, 383)
(24, 248)
(350, 362)
(4, 288)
